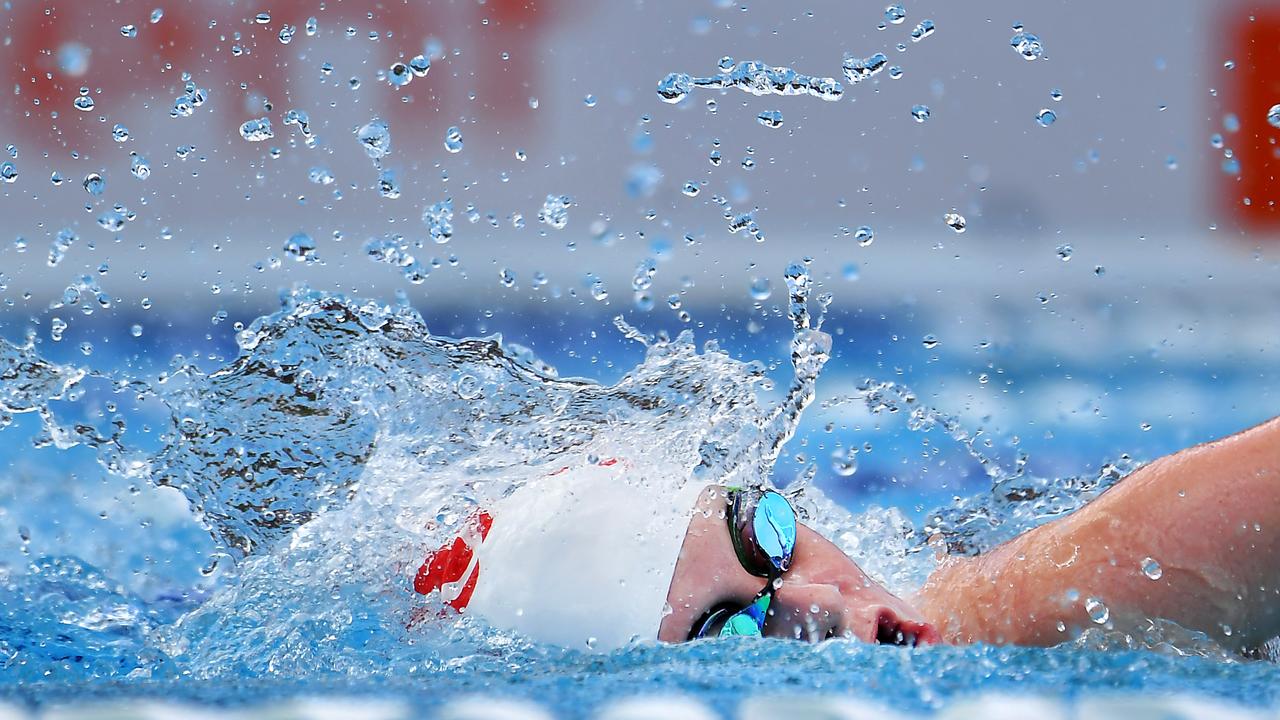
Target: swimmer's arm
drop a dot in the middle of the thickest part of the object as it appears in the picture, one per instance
(1208, 516)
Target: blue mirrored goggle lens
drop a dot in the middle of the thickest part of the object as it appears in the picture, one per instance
(749, 621)
(774, 525)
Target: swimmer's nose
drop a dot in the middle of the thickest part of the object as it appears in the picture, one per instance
(886, 626)
(817, 612)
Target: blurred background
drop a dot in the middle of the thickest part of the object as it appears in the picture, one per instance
(1116, 289)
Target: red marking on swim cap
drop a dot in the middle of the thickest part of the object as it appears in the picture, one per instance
(449, 563)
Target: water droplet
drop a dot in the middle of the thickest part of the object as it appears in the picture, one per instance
(922, 31)
(453, 139)
(257, 130)
(1152, 569)
(748, 163)
(1027, 45)
(555, 211)
(1216, 140)
(300, 247)
(312, 26)
(920, 113)
(388, 187)
(589, 100)
(1144, 427)
(1098, 612)
(119, 133)
(320, 176)
(599, 292)
(111, 221)
(56, 178)
(399, 75)
(895, 14)
(139, 166)
(858, 69)
(1273, 116)
(375, 138)
(135, 330)
(844, 462)
(439, 221)
(156, 15)
(286, 34)
(955, 221)
(675, 87)
(94, 184)
(8, 172)
(761, 289)
(895, 72)
(770, 118)
(419, 65)
(1056, 94)
(1064, 252)
(1046, 117)
(83, 103)
(714, 158)
(864, 235)
(690, 188)
(262, 18)
(73, 59)
(929, 341)
(128, 31)
(1229, 65)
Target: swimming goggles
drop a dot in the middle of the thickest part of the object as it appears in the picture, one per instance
(762, 525)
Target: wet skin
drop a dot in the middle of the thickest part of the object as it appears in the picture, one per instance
(1209, 516)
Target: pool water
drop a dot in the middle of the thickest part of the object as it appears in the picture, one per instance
(367, 438)
(281, 306)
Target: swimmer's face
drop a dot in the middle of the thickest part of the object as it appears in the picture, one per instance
(823, 595)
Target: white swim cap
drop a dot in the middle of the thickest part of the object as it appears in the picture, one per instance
(583, 558)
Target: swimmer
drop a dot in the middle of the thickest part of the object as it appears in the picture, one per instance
(600, 557)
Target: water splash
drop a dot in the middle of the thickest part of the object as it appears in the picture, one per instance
(257, 130)
(922, 31)
(439, 220)
(555, 211)
(1026, 44)
(345, 438)
(858, 69)
(754, 77)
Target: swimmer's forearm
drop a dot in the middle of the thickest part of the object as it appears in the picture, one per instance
(1193, 537)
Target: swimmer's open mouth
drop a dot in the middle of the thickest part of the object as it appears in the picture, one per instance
(891, 630)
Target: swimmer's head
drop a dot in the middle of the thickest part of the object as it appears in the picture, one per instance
(603, 554)
(584, 557)
(822, 595)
